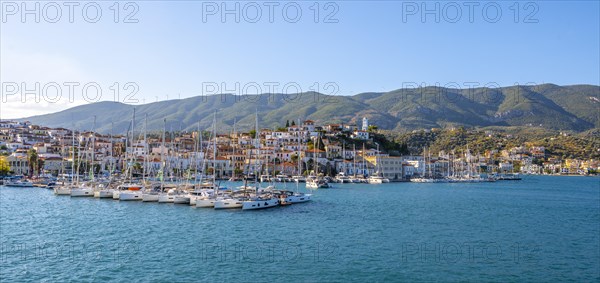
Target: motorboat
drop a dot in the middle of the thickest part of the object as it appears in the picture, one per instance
(299, 179)
(342, 178)
(293, 197)
(19, 183)
(316, 183)
(377, 179)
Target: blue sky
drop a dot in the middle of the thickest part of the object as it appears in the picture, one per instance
(374, 46)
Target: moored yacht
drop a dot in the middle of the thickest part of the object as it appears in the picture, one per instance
(342, 178)
(316, 183)
(82, 191)
(377, 179)
(19, 183)
(128, 192)
(168, 196)
(260, 202)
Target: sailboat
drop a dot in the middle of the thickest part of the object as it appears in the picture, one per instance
(263, 198)
(86, 190)
(130, 190)
(65, 187)
(210, 199)
(377, 177)
(152, 194)
(315, 182)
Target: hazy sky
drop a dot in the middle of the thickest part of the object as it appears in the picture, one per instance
(153, 50)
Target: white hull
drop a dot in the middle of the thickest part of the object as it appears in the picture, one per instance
(126, 196)
(116, 194)
(19, 184)
(193, 200)
(377, 180)
(62, 191)
(259, 204)
(103, 194)
(166, 198)
(149, 197)
(210, 202)
(298, 198)
(228, 203)
(182, 200)
(82, 192)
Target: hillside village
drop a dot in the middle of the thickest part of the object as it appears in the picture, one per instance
(294, 149)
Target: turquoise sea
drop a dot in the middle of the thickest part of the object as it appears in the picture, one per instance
(540, 229)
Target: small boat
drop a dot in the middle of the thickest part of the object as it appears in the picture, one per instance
(315, 183)
(299, 179)
(377, 179)
(293, 197)
(342, 178)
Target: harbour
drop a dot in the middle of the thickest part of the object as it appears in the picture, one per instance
(544, 228)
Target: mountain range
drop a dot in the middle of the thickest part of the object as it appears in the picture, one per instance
(573, 108)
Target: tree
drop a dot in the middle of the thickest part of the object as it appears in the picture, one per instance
(252, 134)
(137, 167)
(287, 123)
(293, 123)
(40, 165)
(4, 166)
(32, 157)
(238, 172)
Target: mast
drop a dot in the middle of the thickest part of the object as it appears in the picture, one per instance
(110, 139)
(363, 161)
(196, 159)
(234, 146)
(145, 148)
(93, 149)
(354, 160)
(131, 144)
(299, 148)
(215, 150)
(257, 141)
(73, 157)
(162, 156)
